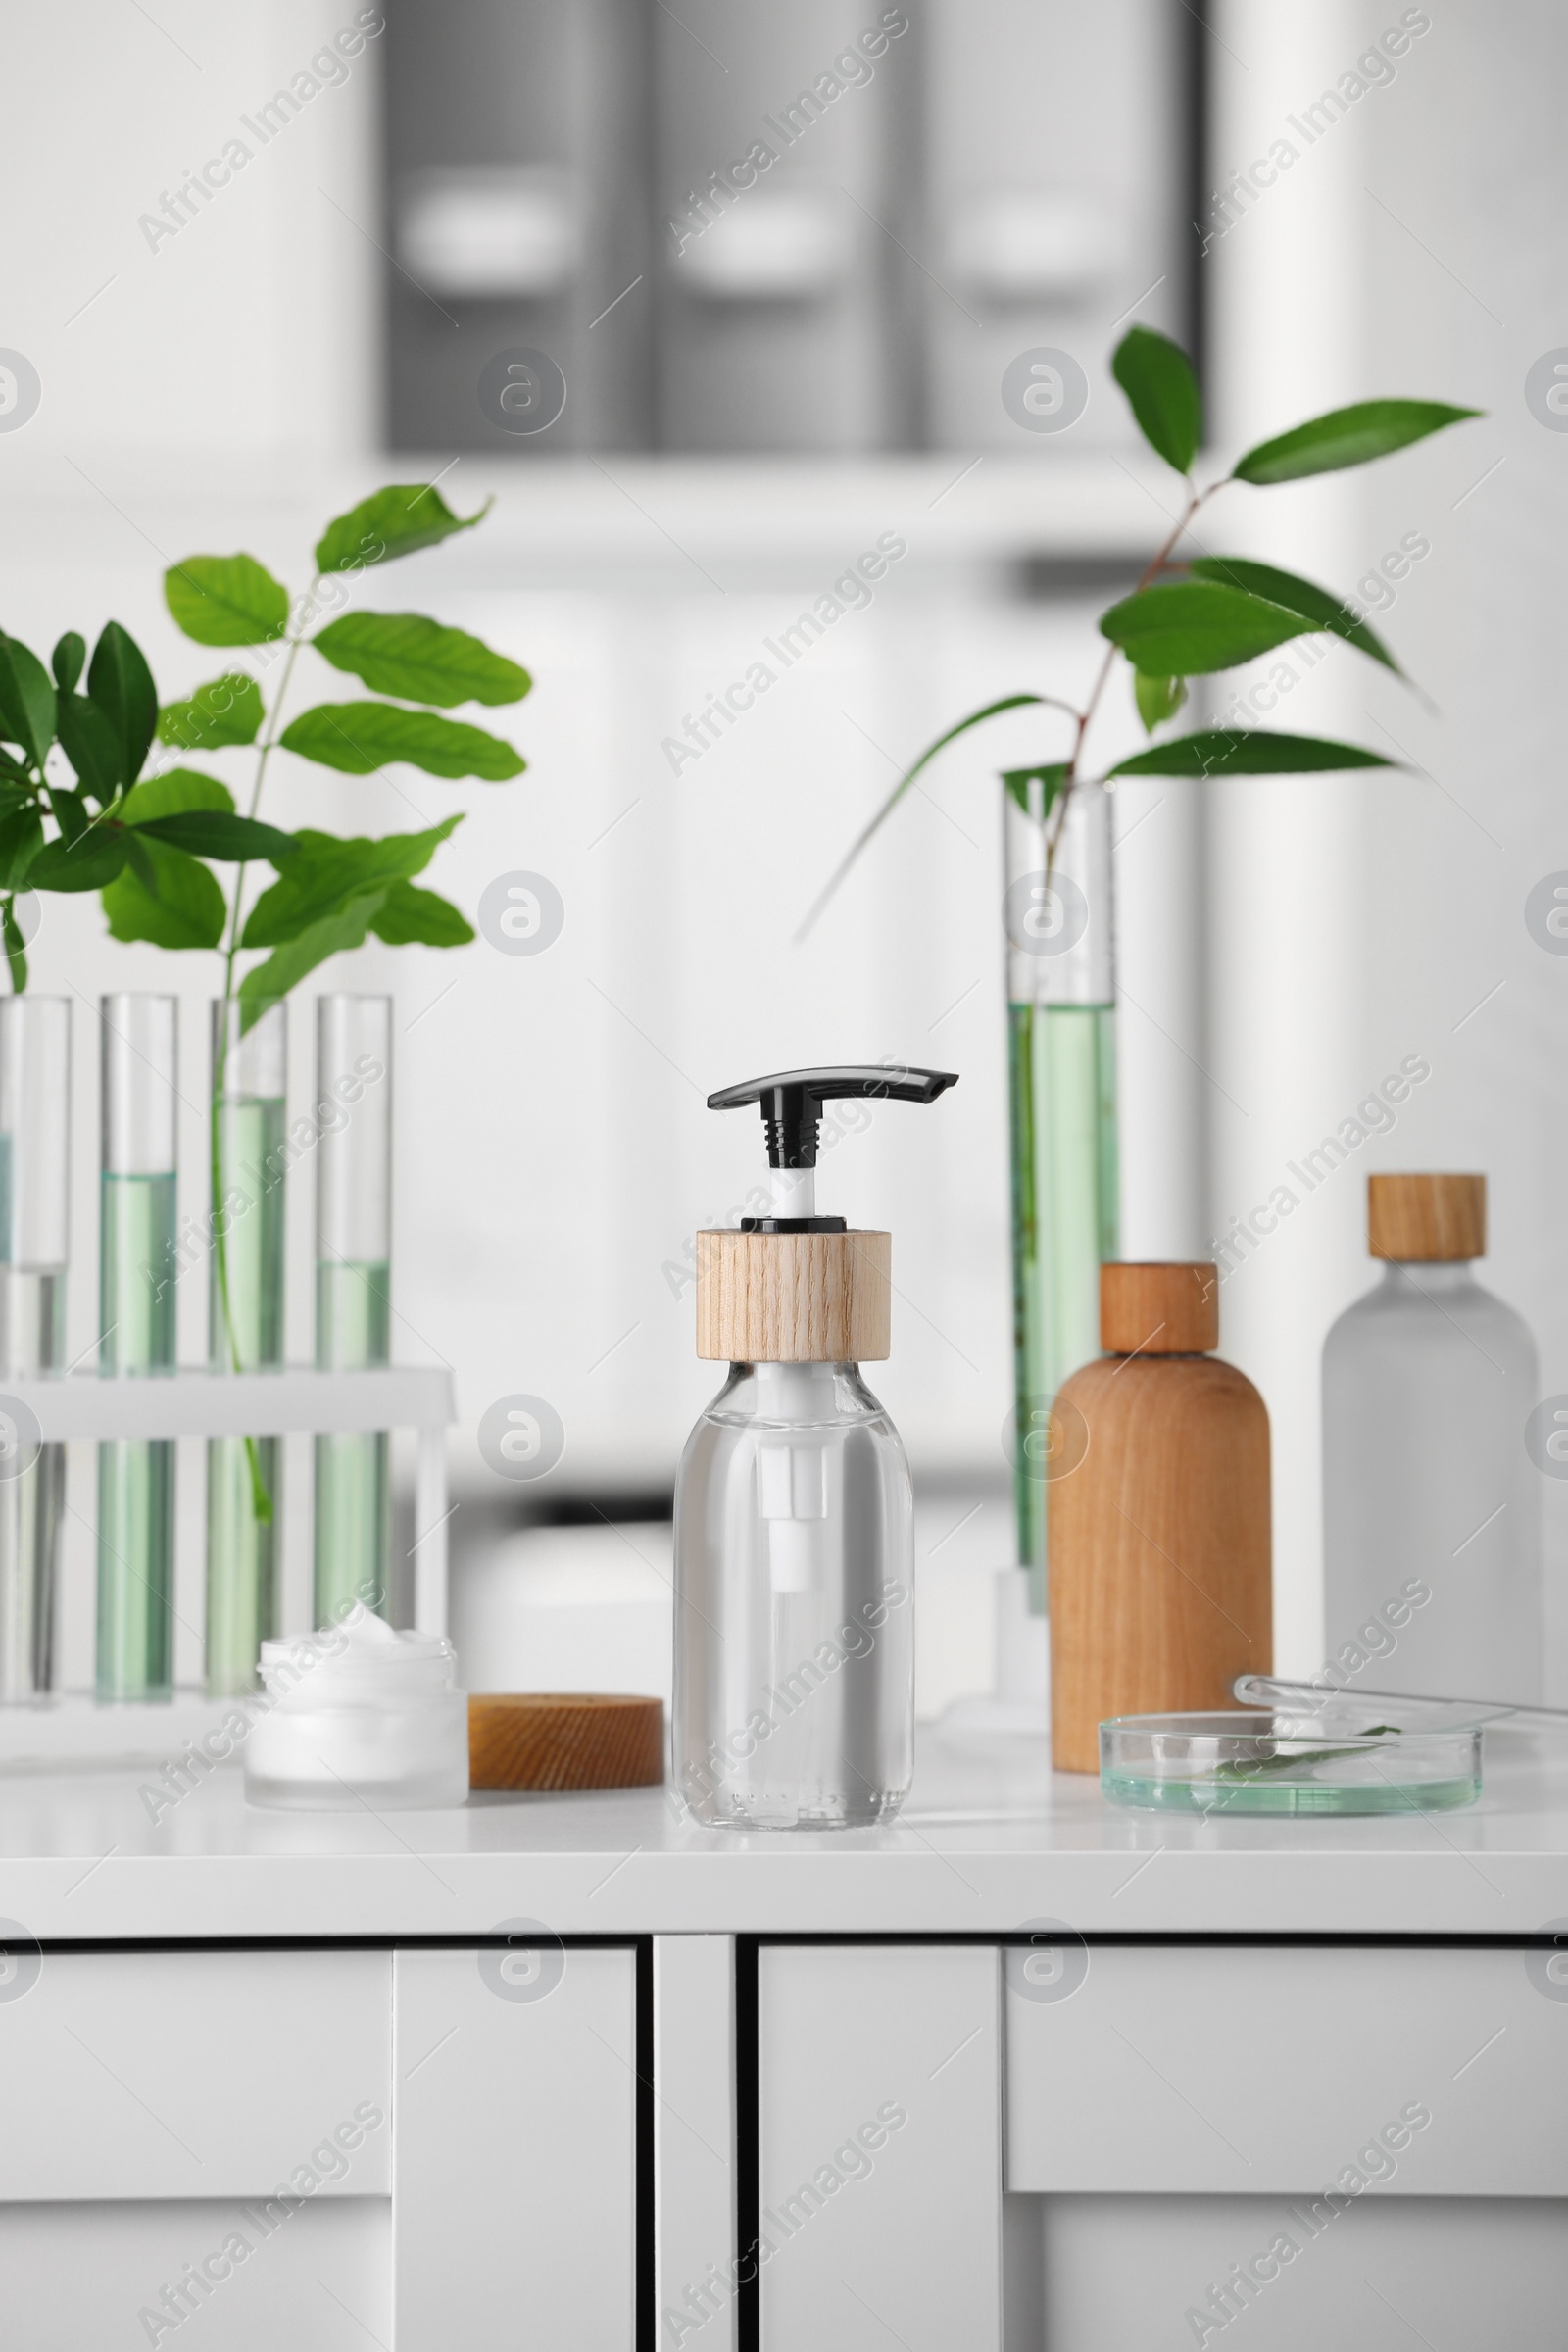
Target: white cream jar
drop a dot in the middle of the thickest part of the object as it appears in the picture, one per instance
(360, 1716)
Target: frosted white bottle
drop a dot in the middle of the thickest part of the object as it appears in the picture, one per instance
(1431, 1504)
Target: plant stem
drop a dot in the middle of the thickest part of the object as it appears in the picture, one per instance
(1157, 564)
(263, 752)
(260, 1499)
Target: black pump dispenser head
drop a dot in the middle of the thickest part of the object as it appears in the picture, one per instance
(790, 1102)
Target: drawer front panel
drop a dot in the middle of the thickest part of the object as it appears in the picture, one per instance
(1266, 2070)
(513, 2215)
(1390, 2274)
(197, 2075)
(880, 2157)
(125, 2274)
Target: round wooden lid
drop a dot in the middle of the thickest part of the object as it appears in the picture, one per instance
(793, 1297)
(1158, 1309)
(1427, 1220)
(564, 1740)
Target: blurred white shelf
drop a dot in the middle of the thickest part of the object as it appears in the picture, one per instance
(195, 1402)
(627, 508)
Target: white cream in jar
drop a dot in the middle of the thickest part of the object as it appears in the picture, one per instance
(360, 1716)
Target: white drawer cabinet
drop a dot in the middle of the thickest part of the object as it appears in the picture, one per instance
(1290, 2088)
(419, 2148)
(1107, 2147)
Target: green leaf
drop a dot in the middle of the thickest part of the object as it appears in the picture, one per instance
(226, 600)
(122, 685)
(1185, 628)
(227, 709)
(358, 738)
(138, 860)
(27, 700)
(66, 660)
(230, 840)
(1243, 751)
(402, 654)
(1158, 378)
(398, 520)
(325, 873)
(20, 840)
(172, 794)
(72, 814)
(88, 740)
(1316, 604)
(1009, 702)
(1017, 780)
(169, 898)
(344, 928)
(411, 917)
(1158, 698)
(91, 864)
(1353, 436)
(15, 947)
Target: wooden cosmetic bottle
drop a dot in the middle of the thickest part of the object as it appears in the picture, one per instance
(1158, 1515)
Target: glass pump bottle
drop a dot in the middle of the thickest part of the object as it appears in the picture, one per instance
(793, 1694)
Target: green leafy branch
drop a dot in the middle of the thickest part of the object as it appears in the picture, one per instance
(155, 847)
(1191, 618)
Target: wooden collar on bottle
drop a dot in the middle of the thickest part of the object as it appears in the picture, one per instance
(793, 1297)
(1159, 1309)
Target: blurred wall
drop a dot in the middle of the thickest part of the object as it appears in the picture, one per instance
(554, 1153)
(240, 322)
(1281, 948)
(1410, 247)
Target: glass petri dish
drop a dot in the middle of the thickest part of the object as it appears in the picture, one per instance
(1269, 1760)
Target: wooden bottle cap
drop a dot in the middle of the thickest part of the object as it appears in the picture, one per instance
(1158, 1309)
(564, 1740)
(1429, 1220)
(793, 1297)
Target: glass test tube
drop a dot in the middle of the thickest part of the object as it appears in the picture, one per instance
(248, 1114)
(352, 1110)
(34, 1247)
(1061, 1034)
(137, 1272)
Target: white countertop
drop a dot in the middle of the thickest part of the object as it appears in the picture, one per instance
(990, 1840)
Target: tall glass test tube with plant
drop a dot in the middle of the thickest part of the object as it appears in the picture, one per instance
(1187, 617)
(77, 813)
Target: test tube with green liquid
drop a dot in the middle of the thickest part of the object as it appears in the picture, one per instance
(137, 1271)
(1062, 1036)
(247, 1112)
(353, 1112)
(34, 1247)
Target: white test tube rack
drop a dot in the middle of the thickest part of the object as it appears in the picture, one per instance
(85, 1408)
